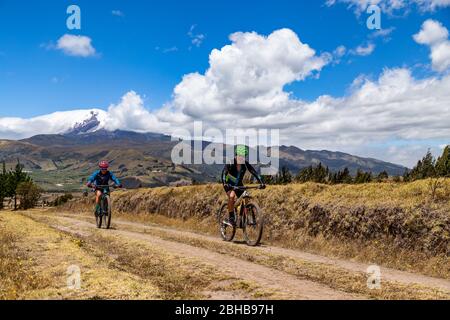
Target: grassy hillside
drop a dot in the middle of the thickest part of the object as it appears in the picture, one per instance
(406, 226)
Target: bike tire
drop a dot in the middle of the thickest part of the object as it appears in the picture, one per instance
(107, 218)
(254, 240)
(222, 214)
(98, 216)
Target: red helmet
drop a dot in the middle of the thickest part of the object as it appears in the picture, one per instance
(103, 165)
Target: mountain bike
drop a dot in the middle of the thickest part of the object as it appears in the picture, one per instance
(249, 218)
(104, 216)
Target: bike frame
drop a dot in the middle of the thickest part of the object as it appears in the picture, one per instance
(245, 195)
(243, 199)
(106, 191)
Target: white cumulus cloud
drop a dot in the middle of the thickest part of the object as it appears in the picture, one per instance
(247, 77)
(73, 45)
(131, 114)
(435, 35)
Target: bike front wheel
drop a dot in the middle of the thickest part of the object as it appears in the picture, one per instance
(107, 212)
(98, 217)
(227, 231)
(253, 224)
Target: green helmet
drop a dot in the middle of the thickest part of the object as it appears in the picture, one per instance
(241, 150)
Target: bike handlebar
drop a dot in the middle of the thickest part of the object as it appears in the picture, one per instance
(94, 186)
(105, 186)
(247, 188)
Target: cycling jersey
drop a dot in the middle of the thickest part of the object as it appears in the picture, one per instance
(234, 177)
(100, 179)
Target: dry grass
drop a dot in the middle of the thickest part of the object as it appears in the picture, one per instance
(334, 277)
(52, 252)
(16, 276)
(176, 278)
(173, 277)
(151, 263)
(404, 226)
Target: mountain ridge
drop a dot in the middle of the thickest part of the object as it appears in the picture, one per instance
(144, 159)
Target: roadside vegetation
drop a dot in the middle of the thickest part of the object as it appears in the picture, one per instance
(16, 277)
(18, 186)
(60, 200)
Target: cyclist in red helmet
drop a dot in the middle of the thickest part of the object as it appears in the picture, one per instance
(101, 177)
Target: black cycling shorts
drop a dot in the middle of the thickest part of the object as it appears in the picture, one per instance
(238, 192)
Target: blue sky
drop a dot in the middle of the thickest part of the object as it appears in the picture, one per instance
(128, 58)
(147, 48)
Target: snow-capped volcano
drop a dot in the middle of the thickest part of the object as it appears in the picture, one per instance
(129, 114)
(95, 122)
(55, 123)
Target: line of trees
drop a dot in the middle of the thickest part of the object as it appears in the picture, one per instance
(429, 167)
(321, 174)
(18, 185)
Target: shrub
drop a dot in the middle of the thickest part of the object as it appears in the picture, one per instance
(61, 200)
(29, 194)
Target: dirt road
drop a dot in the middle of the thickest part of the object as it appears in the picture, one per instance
(147, 261)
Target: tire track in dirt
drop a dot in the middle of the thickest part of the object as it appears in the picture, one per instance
(268, 278)
(388, 274)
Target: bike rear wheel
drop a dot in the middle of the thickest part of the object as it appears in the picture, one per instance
(253, 224)
(107, 213)
(227, 231)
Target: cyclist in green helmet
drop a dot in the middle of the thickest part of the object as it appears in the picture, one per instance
(233, 176)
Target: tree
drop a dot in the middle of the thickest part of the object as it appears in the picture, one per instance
(15, 178)
(363, 177)
(443, 163)
(340, 177)
(3, 185)
(345, 176)
(305, 174)
(424, 169)
(29, 194)
(284, 176)
(318, 174)
(382, 176)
